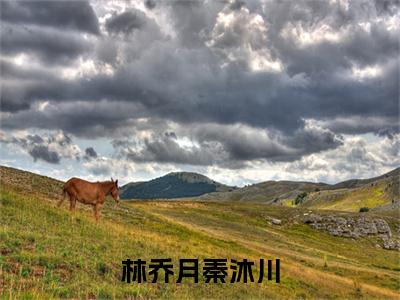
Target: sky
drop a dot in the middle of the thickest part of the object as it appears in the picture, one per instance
(240, 91)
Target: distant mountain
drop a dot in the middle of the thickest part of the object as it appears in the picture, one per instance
(377, 193)
(268, 191)
(382, 192)
(173, 185)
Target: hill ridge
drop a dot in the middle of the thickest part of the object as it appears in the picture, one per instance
(172, 186)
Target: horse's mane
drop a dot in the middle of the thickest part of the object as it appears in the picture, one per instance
(106, 185)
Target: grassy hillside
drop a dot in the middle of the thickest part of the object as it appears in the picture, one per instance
(383, 193)
(173, 185)
(267, 192)
(48, 253)
(354, 183)
(29, 183)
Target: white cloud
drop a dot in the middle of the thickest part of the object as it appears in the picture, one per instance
(366, 72)
(316, 34)
(242, 36)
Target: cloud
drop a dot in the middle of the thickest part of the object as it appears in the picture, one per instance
(90, 153)
(240, 82)
(126, 22)
(357, 124)
(76, 15)
(50, 148)
(150, 4)
(78, 118)
(229, 146)
(43, 152)
(357, 157)
(207, 93)
(46, 44)
(166, 149)
(102, 167)
(237, 5)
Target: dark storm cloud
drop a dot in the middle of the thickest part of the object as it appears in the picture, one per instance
(193, 20)
(11, 71)
(35, 139)
(48, 148)
(126, 22)
(218, 95)
(313, 140)
(246, 144)
(357, 48)
(386, 126)
(165, 149)
(90, 152)
(75, 15)
(43, 153)
(195, 71)
(78, 118)
(150, 4)
(229, 146)
(387, 6)
(242, 143)
(11, 99)
(49, 45)
(237, 4)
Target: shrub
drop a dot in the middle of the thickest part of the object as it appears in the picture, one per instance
(300, 197)
(364, 209)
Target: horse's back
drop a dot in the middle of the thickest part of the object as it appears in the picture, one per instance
(84, 191)
(76, 180)
(77, 184)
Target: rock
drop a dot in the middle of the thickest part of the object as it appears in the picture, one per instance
(312, 218)
(382, 227)
(341, 221)
(276, 221)
(391, 244)
(353, 227)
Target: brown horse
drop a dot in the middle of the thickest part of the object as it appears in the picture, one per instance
(90, 193)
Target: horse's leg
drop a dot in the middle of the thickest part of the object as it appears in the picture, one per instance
(62, 199)
(59, 203)
(97, 211)
(72, 204)
(94, 210)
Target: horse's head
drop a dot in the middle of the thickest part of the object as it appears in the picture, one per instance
(115, 190)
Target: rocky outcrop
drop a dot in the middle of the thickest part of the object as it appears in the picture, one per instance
(276, 221)
(273, 221)
(353, 227)
(391, 244)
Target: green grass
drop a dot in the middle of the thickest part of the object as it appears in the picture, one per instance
(47, 252)
(370, 197)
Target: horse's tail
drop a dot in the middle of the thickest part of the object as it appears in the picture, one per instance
(64, 194)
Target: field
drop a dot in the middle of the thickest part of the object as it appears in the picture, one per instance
(47, 252)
